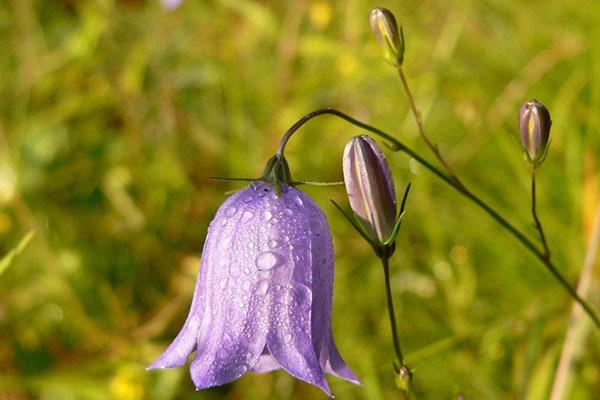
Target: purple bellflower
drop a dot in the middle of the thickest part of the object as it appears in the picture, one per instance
(264, 293)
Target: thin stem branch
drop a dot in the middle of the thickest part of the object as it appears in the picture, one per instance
(385, 262)
(417, 116)
(538, 224)
(515, 232)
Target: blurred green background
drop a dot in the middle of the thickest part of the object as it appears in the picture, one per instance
(114, 114)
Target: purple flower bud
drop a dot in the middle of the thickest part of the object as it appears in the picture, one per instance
(263, 295)
(535, 123)
(385, 29)
(370, 186)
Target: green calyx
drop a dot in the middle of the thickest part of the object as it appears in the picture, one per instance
(277, 173)
(385, 249)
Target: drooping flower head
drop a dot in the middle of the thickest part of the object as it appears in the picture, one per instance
(535, 123)
(264, 293)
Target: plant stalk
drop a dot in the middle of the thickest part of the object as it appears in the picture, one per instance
(515, 232)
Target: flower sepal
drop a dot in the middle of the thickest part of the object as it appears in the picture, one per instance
(277, 173)
(383, 249)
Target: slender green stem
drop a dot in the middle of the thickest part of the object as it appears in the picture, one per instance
(385, 262)
(399, 146)
(417, 116)
(404, 374)
(538, 224)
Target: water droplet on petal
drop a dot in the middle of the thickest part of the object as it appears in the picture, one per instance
(269, 260)
(287, 337)
(222, 353)
(289, 211)
(193, 324)
(267, 215)
(262, 287)
(299, 201)
(246, 285)
(230, 212)
(302, 296)
(247, 216)
(273, 243)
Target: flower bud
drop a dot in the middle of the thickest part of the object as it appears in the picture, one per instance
(370, 187)
(535, 123)
(385, 29)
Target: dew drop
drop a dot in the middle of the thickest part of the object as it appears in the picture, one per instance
(301, 296)
(287, 337)
(222, 353)
(247, 216)
(230, 212)
(262, 287)
(267, 215)
(225, 242)
(246, 285)
(289, 211)
(273, 243)
(269, 260)
(299, 201)
(193, 324)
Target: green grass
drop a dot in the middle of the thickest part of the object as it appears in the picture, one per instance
(114, 114)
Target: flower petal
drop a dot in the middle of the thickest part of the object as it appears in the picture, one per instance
(335, 364)
(290, 339)
(322, 259)
(235, 299)
(266, 363)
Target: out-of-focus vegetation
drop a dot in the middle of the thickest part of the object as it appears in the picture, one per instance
(114, 114)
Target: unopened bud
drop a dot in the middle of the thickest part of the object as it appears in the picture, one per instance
(370, 187)
(385, 29)
(535, 123)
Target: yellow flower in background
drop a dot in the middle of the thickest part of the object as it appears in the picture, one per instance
(128, 383)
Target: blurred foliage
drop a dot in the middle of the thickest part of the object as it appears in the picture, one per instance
(114, 114)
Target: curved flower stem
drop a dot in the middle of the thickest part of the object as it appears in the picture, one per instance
(417, 115)
(515, 232)
(538, 224)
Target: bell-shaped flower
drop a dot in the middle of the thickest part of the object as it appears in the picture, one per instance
(263, 295)
(535, 123)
